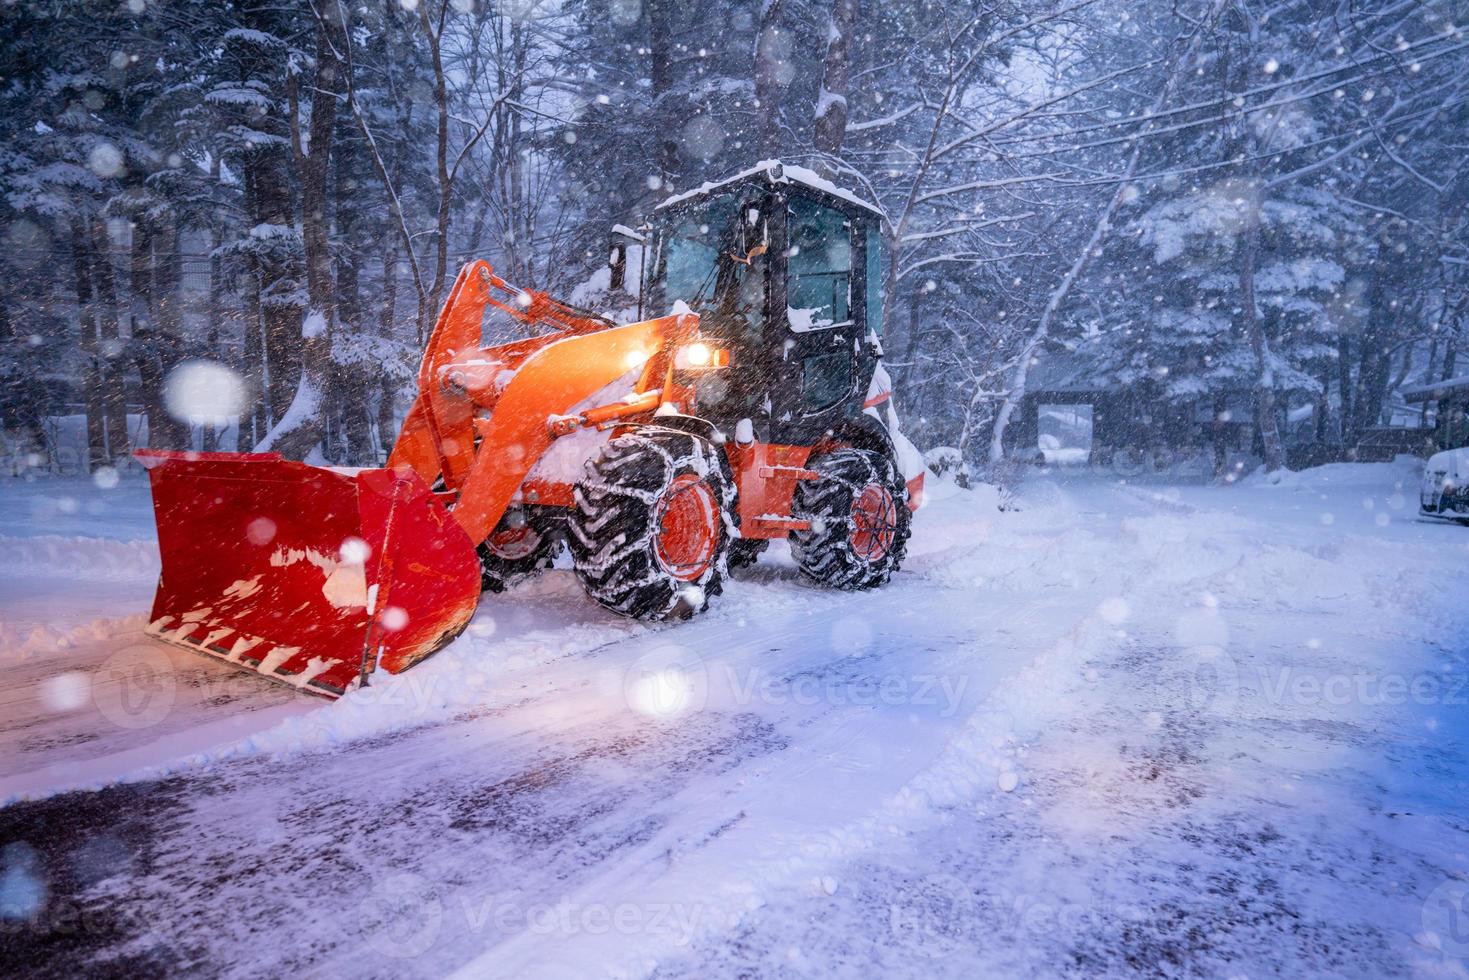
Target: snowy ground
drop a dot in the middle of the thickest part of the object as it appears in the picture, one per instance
(1124, 729)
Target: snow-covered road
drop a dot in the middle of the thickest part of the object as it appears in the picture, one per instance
(1123, 729)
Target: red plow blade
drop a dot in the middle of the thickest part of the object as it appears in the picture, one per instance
(311, 576)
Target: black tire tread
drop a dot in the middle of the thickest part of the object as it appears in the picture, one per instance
(609, 529)
(824, 552)
(744, 552)
(496, 572)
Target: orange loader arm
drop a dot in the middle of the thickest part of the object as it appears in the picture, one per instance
(484, 416)
(316, 576)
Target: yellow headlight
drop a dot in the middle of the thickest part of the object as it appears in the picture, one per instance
(700, 356)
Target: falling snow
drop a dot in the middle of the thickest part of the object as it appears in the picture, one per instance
(1171, 300)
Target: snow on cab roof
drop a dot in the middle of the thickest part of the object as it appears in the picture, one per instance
(777, 173)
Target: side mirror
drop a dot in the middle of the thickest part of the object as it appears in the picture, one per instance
(617, 262)
(623, 241)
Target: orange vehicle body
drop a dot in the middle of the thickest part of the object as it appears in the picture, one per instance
(318, 576)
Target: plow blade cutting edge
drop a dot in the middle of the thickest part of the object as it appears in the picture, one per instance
(308, 575)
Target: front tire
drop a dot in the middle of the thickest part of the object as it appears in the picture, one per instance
(860, 521)
(651, 529)
(519, 547)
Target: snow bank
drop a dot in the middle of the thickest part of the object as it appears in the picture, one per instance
(79, 558)
(18, 644)
(1338, 476)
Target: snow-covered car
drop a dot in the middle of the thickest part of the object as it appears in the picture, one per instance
(1445, 489)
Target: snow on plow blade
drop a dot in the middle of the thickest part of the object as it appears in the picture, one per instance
(308, 575)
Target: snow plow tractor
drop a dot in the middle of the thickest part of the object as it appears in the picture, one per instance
(659, 453)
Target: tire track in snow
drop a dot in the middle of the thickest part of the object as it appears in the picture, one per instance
(517, 789)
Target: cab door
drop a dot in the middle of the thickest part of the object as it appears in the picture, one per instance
(819, 323)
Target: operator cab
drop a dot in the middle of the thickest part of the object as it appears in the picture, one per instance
(785, 272)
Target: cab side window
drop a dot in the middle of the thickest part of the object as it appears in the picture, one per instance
(819, 270)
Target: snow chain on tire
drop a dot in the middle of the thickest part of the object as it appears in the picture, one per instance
(612, 532)
(827, 553)
(744, 552)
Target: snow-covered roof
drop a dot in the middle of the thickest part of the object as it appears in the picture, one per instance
(1058, 371)
(777, 173)
(1436, 389)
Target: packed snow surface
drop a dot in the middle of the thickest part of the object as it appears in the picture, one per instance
(1118, 727)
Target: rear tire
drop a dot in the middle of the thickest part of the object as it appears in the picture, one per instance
(859, 517)
(651, 528)
(519, 547)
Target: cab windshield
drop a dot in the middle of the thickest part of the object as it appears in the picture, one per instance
(713, 258)
(696, 262)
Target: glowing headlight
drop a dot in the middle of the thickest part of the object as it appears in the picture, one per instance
(700, 355)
